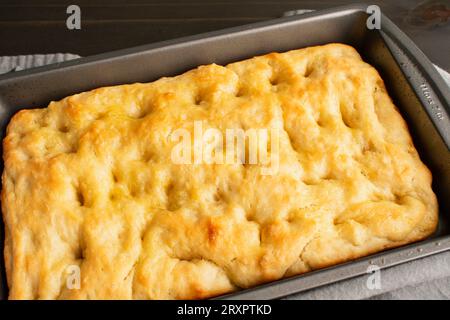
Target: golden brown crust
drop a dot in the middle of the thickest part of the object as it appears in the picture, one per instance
(88, 182)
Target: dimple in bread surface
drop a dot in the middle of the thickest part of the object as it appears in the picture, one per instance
(88, 181)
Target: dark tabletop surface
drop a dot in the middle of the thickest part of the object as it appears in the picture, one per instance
(39, 26)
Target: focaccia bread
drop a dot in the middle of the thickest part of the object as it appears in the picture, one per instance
(90, 184)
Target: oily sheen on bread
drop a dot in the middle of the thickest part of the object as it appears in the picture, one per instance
(88, 182)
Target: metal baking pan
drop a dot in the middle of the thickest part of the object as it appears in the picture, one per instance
(417, 89)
